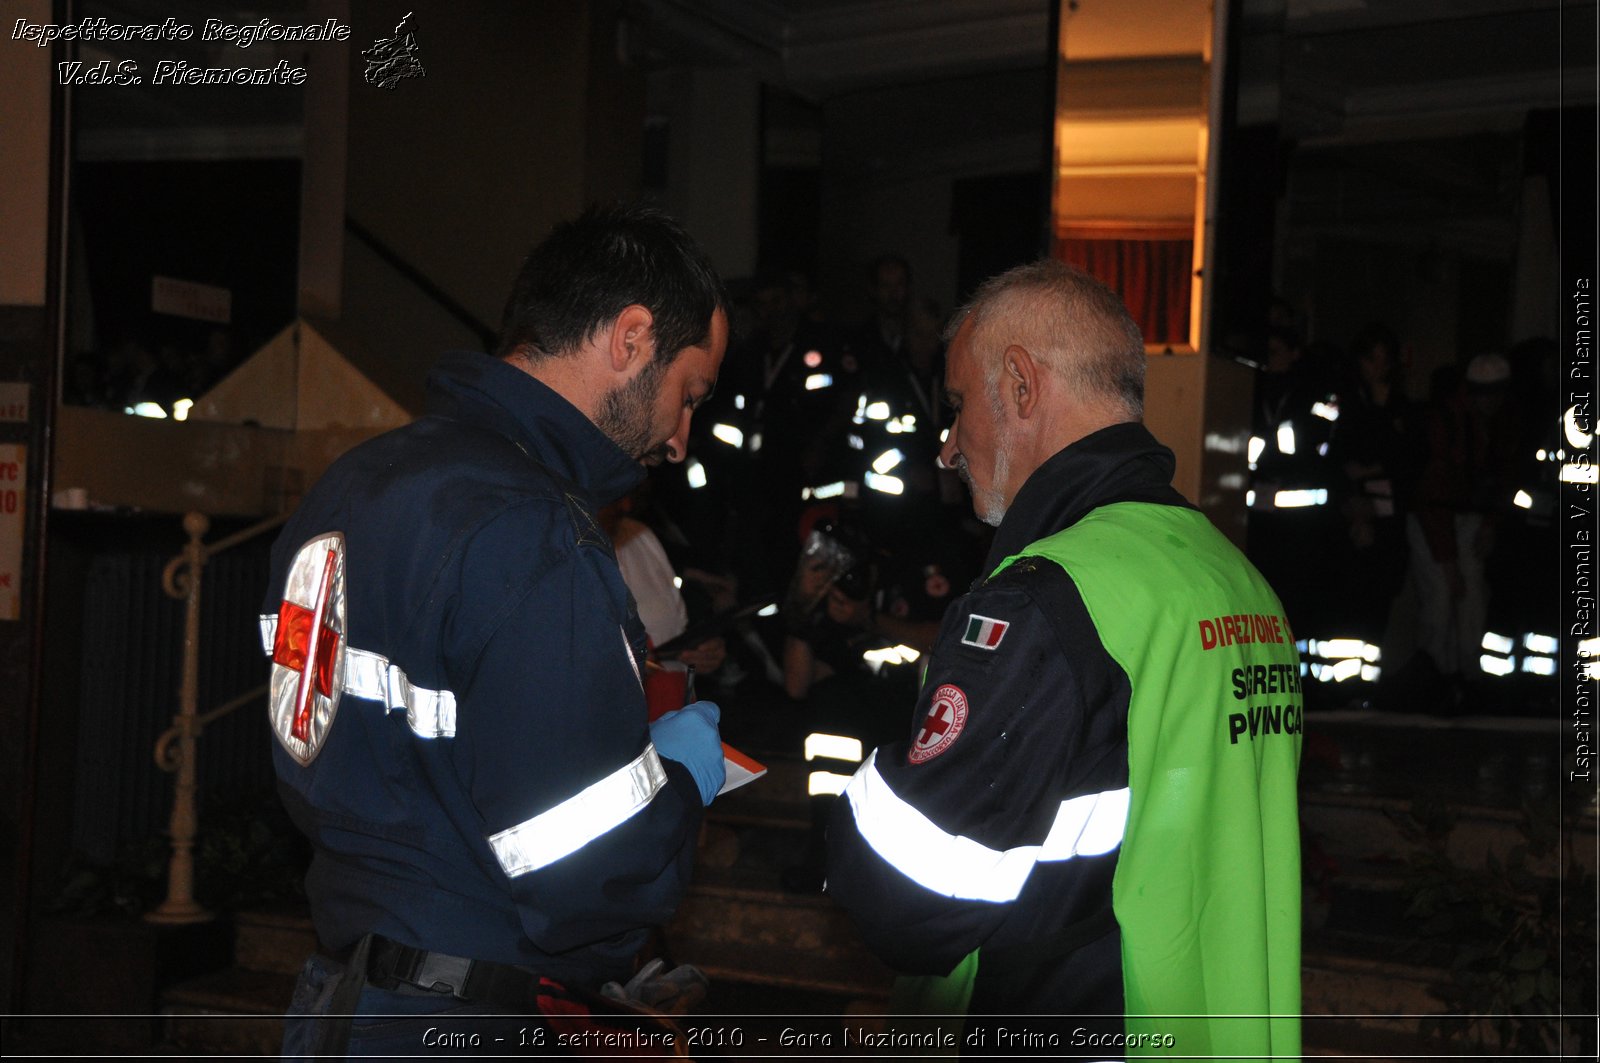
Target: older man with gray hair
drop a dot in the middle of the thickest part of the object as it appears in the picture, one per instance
(1094, 813)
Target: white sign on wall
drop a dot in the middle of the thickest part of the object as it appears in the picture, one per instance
(13, 495)
(200, 302)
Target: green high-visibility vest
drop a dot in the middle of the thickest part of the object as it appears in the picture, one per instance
(1207, 887)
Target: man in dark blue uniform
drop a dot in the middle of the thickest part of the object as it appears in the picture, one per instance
(456, 663)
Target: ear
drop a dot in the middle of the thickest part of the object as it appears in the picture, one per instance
(631, 341)
(1019, 381)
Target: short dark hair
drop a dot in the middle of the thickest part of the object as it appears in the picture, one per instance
(591, 268)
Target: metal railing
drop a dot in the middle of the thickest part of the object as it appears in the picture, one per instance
(175, 750)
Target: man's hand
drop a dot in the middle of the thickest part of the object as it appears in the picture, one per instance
(847, 611)
(706, 657)
(689, 736)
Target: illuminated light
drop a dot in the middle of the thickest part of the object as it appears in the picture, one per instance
(1579, 474)
(832, 747)
(696, 473)
(944, 435)
(890, 655)
(1495, 665)
(1346, 669)
(1221, 444)
(1371, 654)
(1542, 454)
(889, 485)
(1561, 455)
(1591, 670)
(1230, 481)
(1322, 450)
(1253, 453)
(1286, 438)
(887, 460)
(181, 408)
(1501, 644)
(728, 434)
(878, 411)
(1589, 647)
(1302, 645)
(1303, 669)
(755, 442)
(1541, 644)
(818, 381)
(822, 783)
(1539, 665)
(147, 409)
(738, 402)
(1328, 411)
(1522, 500)
(1577, 438)
(894, 428)
(768, 610)
(1370, 673)
(833, 490)
(856, 442)
(908, 421)
(1301, 498)
(813, 359)
(1338, 647)
(1250, 498)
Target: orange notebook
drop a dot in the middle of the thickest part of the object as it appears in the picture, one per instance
(740, 768)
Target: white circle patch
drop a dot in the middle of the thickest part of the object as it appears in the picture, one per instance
(946, 716)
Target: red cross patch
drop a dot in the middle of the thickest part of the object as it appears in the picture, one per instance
(946, 716)
(308, 648)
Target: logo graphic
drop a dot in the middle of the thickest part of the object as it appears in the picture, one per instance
(309, 648)
(392, 59)
(984, 632)
(946, 716)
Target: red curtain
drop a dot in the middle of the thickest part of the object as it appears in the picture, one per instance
(1152, 276)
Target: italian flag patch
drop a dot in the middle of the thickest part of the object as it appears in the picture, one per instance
(984, 632)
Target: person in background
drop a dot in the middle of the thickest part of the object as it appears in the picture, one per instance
(1465, 485)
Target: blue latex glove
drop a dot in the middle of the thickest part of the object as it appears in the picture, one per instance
(689, 736)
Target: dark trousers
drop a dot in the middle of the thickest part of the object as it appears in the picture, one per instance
(405, 1022)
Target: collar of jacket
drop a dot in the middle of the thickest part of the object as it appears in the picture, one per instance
(473, 387)
(1122, 463)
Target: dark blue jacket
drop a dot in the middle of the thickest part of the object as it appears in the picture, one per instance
(486, 786)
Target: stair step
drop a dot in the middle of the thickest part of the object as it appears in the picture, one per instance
(277, 939)
(772, 938)
(231, 1012)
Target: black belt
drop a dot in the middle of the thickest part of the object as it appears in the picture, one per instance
(391, 965)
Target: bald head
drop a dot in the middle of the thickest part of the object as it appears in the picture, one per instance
(1075, 327)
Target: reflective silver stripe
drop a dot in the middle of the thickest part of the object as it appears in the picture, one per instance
(581, 818)
(627, 648)
(429, 713)
(958, 867)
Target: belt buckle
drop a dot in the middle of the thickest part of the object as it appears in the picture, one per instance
(440, 973)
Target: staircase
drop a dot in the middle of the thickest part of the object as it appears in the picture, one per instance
(1368, 975)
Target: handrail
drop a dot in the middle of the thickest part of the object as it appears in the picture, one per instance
(175, 749)
(421, 282)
